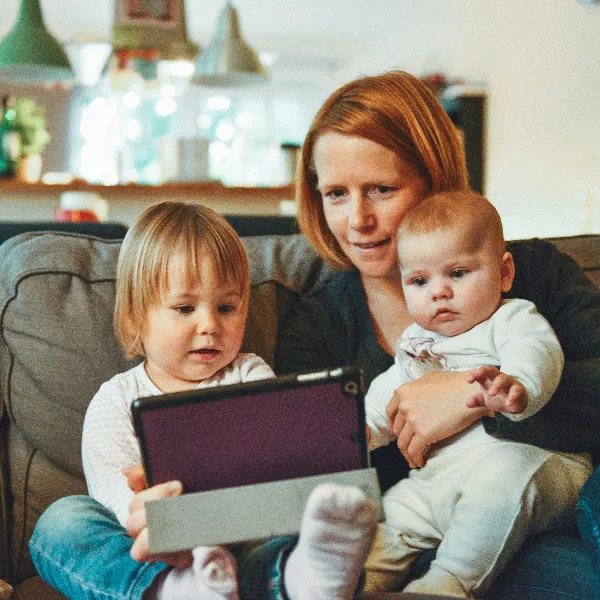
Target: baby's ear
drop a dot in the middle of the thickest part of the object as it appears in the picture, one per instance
(507, 271)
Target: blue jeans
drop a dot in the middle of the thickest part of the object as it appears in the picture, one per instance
(80, 548)
(588, 520)
(559, 567)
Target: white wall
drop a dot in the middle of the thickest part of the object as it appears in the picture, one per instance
(540, 61)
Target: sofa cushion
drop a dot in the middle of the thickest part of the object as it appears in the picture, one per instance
(585, 250)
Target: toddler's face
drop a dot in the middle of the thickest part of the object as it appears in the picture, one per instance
(449, 285)
(195, 330)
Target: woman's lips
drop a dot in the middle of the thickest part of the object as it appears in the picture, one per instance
(367, 246)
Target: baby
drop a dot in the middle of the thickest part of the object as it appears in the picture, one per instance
(477, 497)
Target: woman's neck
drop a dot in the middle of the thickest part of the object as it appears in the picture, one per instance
(386, 304)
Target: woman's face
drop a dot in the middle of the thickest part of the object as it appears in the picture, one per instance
(366, 189)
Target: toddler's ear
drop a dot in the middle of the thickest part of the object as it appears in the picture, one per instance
(507, 271)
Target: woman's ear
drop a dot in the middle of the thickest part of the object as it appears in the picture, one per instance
(507, 271)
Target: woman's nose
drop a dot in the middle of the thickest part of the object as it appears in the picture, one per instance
(360, 213)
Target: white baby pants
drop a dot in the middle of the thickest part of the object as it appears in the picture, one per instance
(476, 505)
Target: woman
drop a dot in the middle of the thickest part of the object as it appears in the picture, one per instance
(376, 147)
(379, 145)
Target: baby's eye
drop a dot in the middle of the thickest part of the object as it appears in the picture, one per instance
(384, 189)
(459, 273)
(184, 309)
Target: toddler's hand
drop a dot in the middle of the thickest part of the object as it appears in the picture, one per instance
(136, 478)
(136, 525)
(499, 392)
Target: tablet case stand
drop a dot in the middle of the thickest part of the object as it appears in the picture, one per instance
(252, 416)
(239, 514)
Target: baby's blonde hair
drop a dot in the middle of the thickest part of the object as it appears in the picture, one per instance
(465, 210)
(163, 231)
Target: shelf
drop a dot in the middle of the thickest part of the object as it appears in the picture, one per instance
(211, 189)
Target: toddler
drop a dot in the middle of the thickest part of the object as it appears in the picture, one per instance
(477, 497)
(183, 288)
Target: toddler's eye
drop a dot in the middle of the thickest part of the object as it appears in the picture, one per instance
(459, 273)
(184, 309)
(419, 281)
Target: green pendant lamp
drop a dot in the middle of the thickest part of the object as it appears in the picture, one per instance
(29, 53)
(228, 60)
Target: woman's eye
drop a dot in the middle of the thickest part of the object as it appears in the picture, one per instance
(334, 195)
(459, 273)
(227, 308)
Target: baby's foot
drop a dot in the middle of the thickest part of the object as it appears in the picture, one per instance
(212, 576)
(337, 531)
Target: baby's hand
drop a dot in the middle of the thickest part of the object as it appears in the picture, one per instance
(499, 392)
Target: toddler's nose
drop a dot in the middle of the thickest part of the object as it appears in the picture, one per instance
(208, 324)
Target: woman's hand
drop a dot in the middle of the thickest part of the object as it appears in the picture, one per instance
(136, 525)
(431, 409)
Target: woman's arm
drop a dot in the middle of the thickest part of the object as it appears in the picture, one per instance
(571, 304)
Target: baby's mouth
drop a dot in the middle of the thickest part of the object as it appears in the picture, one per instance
(443, 312)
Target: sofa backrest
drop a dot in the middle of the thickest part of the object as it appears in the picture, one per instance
(57, 346)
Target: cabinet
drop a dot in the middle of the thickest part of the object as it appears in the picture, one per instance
(466, 107)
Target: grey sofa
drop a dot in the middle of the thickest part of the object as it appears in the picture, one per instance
(57, 346)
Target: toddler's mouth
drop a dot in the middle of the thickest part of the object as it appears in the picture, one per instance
(205, 352)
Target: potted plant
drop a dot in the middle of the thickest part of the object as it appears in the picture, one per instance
(30, 122)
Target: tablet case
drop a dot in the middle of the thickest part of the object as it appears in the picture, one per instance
(248, 455)
(268, 430)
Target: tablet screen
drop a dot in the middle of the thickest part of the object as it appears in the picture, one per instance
(281, 428)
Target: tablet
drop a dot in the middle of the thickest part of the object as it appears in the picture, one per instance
(287, 427)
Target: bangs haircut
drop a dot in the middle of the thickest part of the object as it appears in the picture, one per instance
(463, 211)
(163, 231)
(397, 111)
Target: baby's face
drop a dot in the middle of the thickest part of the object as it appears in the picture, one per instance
(449, 285)
(195, 330)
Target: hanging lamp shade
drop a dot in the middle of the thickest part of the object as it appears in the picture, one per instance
(228, 60)
(158, 27)
(29, 53)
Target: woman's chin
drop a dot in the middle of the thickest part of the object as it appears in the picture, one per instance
(380, 270)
